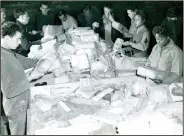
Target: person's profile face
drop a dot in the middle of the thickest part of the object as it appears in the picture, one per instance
(44, 9)
(131, 14)
(14, 41)
(3, 16)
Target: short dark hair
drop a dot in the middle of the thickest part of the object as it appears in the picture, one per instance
(10, 28)
(61, 12)
(132, 7)
(108, 5)
(142, 14)
(162, 30)
(45, 3)
(172, 12)
(86, 6)
(19, 12)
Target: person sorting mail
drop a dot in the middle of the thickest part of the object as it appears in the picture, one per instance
(14, 83)
(139, 43)
(165, 56)
(22, 19)
(68, 22)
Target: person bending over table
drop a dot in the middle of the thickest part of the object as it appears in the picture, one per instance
(22, 19)
(165, 56)
(68, 22)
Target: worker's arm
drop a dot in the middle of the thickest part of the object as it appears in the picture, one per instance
(26, 62)
(177, 67)
(151, 57)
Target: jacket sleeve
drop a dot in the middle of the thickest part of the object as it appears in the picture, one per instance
(26, 62)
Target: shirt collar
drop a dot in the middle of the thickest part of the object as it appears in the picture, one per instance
(19, 23)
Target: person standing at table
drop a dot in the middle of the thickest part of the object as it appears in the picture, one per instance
(4, 122)
(128, 33)
(43, 19)
(22, 19)
(14, 83)
(174, 23)
(111, 27)
(68, 22)
(107, 24)
(139, 43)
(131, 11)
(88, 16)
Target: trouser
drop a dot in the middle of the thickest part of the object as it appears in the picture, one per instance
(4, 126)
(4, 120)
(17, 123)
(16, 111)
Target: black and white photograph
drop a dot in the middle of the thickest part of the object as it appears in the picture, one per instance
(91, 67)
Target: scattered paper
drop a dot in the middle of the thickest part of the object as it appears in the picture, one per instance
(102, 94)
(64, 106)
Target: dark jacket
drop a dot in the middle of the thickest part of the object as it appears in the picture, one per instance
(176, 30)
(26, 39)
(42, 20)
(13, 79)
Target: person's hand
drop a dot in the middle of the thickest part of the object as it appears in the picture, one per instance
(177, 92)
(117, 54)
(127, 43)
(127, 35)
(42, 33)
(95, 25)
(40, 47)
(157, 81)
(30, 72)
(111, 18)
(33, 32)
(147, 65)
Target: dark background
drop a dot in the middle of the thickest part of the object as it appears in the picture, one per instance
(155, 9)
